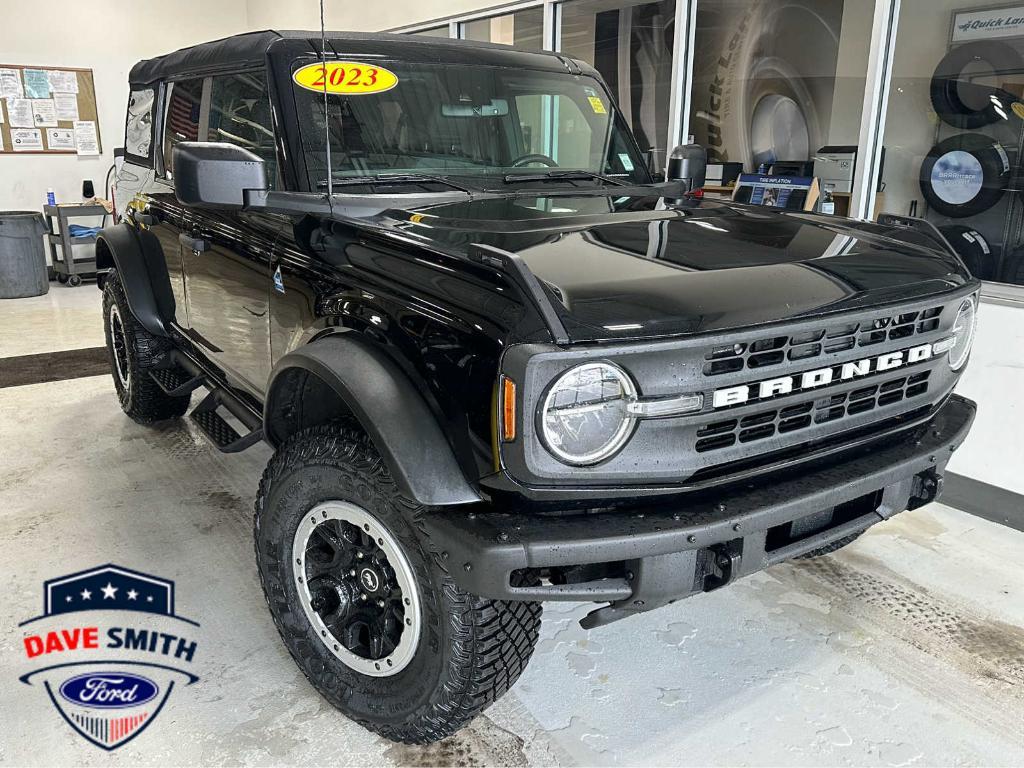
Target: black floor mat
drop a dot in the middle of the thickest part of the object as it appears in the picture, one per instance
(53, 366)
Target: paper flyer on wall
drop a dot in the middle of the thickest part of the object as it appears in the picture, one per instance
(86, 140)
(37, 84)
(60, 138)
(62, 81)
(10, 84)
(43, 113)
(66, 106)
(26, 140)
(19, 113)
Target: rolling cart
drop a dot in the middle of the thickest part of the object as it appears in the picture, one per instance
(67, 268)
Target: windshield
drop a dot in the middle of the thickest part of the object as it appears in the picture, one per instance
(478, 125)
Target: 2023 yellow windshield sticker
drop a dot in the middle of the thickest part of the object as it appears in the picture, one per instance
(347, 77)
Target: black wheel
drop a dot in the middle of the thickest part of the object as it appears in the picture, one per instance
(365, 607)
(972, 247)
(133, 351)
(830, 548)
(964, 175)
(62, 278)
(74, 281)
(964, 103)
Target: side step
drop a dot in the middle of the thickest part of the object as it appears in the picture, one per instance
(175, 380)
(224, 436)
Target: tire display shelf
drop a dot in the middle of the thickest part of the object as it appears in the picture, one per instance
(1002, 224)
(65, 266)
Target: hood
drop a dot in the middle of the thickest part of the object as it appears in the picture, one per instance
(637, 267)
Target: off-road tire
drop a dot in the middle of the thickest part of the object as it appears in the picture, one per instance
(142, 399)
(830, 548)
(471, 650)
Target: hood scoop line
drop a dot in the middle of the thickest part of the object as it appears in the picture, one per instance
(516, 269)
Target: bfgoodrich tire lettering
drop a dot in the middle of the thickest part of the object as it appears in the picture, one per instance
(133, 351)
(972, 247)
(470, 650)
(964, 175)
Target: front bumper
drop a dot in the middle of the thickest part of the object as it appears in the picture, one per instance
(673, 549)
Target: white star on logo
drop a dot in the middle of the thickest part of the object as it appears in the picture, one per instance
(132, 594)
(109, 591)
(86, 594)
(67, 599)
(149, 599)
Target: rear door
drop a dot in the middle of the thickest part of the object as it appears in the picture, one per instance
(166, 218)
(227, 254)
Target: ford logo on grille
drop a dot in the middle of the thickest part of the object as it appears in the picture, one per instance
(108, 690)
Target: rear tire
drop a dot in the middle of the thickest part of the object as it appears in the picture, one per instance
(133, 352)
(466, 651)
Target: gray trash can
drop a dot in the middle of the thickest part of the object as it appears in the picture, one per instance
(22, 258)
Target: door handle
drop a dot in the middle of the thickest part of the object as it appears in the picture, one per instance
(195, 244)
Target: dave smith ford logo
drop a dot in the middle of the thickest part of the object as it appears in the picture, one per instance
(108, 651)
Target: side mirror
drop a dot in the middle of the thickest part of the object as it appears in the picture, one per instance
(214, 173)
(688, 163)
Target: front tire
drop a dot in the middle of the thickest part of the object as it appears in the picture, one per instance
(326, 505)
(133, 351)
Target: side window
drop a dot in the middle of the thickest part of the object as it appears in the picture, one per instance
(240, 114)
(182, 117)
(138, 129)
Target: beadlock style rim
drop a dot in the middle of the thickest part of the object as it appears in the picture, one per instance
(120, 347)
(357, 588)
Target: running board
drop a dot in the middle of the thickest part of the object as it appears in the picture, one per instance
(175, 381)
(216, 428)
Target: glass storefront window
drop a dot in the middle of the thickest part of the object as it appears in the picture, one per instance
(778, 82)
(631, 46)
(522, 29)
(953, 133)
(433, 32)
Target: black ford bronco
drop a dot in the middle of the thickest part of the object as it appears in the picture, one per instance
(498, 361)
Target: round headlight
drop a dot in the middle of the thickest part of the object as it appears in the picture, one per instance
(584, 419)
(963, 332)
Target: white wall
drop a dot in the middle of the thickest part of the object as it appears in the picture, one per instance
(107, 37)
(994, 379)
(355, 16)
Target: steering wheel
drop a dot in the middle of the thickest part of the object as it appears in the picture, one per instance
(519, 162)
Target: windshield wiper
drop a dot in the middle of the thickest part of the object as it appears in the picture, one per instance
(516, 178)
(392, 178)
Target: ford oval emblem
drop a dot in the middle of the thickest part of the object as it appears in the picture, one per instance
(108, 690)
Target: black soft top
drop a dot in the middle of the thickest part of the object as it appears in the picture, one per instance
(252, 49)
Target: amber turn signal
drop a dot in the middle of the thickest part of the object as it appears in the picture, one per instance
(508, 409)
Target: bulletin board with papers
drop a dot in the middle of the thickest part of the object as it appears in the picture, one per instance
(48, 110)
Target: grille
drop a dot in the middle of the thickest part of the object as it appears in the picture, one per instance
(807, 345)
(779, 421)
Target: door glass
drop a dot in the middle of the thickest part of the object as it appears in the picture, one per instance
(240, 114)
(953, 132)
(631, 46)
(182, 117)
(523, 29)
(138, 131)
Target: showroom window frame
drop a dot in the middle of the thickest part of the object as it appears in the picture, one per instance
(874, 110)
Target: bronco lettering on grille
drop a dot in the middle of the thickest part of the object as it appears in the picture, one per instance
(819, 377)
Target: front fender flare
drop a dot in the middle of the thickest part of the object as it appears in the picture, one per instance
(139, 261)
(387, 405)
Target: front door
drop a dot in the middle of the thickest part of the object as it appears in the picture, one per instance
(227, 278)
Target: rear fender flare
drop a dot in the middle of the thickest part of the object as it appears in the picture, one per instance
(139, 261)
(387, 405)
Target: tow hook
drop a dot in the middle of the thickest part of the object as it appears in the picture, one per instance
(927, 488)
(726, 562)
